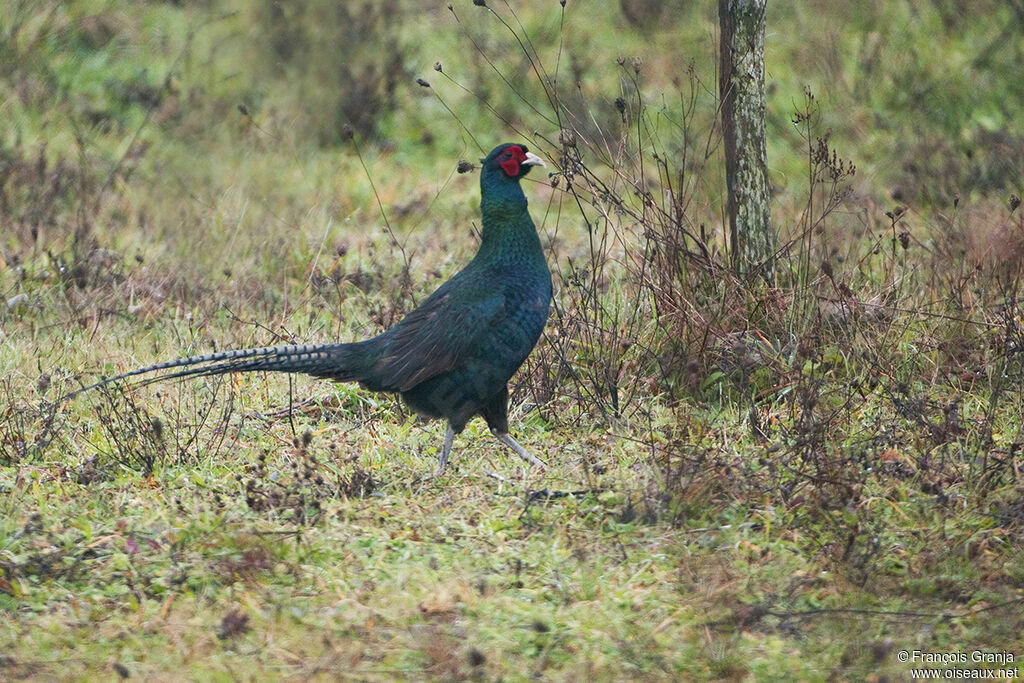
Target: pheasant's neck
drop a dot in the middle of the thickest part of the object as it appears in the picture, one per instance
(510, 236)
(508, 231)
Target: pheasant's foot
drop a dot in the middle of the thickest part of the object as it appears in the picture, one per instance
(519, 450)
(446, 450)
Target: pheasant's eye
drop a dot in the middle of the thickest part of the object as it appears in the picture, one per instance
(510, 158)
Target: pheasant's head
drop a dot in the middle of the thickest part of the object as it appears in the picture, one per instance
(510, 161)
(501, 197)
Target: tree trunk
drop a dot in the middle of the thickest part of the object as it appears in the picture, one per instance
(741, 87)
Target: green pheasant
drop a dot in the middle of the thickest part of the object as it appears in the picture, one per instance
(451, 357)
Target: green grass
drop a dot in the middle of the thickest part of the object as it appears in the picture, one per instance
(785, 482)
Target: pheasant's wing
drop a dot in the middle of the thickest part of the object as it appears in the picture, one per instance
(436, 337)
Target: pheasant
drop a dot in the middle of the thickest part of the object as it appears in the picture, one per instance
(451, 357)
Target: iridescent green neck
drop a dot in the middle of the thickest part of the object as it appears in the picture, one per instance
(508, 230)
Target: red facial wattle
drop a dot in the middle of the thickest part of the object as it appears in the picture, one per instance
(511, 158)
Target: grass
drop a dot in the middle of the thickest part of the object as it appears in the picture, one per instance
(766, 481)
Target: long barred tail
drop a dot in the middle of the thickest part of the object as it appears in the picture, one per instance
(340, 362)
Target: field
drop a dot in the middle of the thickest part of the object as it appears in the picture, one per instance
(799, 477)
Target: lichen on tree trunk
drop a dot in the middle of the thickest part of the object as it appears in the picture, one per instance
(741, 87)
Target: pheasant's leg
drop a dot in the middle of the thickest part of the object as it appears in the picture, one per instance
(446, 450)
(519, 450)
(495, 412)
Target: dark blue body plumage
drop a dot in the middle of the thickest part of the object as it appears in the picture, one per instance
(451, 357)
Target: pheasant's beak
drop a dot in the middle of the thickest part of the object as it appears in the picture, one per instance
(532, 160)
